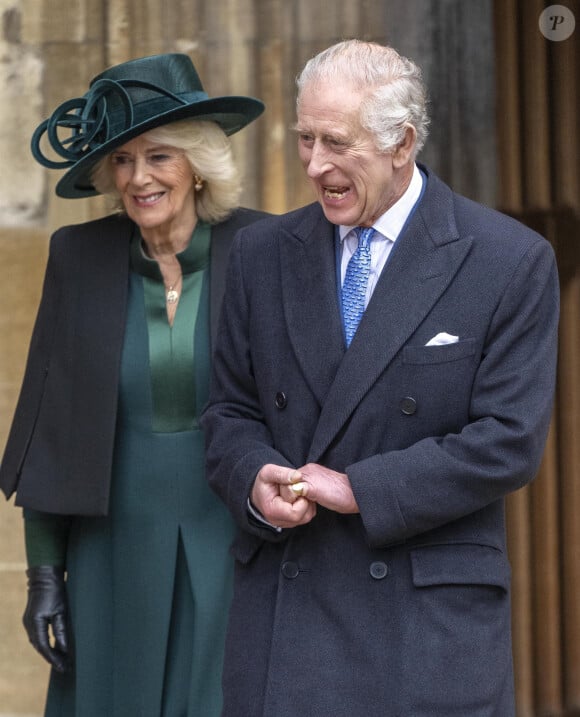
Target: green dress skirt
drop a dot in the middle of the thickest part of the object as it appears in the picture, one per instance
(149, 585)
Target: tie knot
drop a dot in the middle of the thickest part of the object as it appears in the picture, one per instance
(364, 235)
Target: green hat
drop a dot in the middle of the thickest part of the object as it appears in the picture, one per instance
(122, 103)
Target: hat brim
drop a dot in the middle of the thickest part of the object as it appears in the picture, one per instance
(230, 113)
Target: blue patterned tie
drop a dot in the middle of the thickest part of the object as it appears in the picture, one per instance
(354, 288)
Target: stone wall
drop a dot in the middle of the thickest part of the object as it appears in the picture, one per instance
(23, 674)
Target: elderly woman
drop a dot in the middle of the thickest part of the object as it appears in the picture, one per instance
(129, 576)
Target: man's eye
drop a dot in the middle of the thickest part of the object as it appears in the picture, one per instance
(306, 138)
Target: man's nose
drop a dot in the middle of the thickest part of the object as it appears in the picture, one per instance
(318, 162)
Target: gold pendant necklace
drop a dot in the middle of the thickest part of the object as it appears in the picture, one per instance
(172, 295)
(172, 292)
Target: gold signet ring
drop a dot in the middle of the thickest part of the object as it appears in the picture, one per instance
(298, 489)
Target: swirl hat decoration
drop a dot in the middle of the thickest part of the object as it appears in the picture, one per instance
(122, 103)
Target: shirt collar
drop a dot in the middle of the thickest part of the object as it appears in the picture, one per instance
(393, 220)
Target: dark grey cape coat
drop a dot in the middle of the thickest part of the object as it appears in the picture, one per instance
(59, 451)
(403, 610)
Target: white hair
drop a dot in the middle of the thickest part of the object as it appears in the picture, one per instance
(395, 94)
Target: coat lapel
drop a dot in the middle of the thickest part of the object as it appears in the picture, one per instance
(423, 262)
(310, 301)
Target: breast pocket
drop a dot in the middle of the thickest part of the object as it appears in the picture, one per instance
(424, 355)
(440, 381)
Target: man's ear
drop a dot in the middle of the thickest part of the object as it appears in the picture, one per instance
(404, 150)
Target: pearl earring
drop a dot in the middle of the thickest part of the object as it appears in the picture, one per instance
(198, 183)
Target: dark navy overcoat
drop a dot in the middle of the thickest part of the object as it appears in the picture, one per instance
(403, 610)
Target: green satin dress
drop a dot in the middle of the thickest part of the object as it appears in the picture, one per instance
(150, 584)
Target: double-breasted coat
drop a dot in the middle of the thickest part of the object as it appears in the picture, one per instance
(403, 610)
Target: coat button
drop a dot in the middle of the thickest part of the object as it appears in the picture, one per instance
(281, 400)
(290, 569)
(408, 405)
(378, 570)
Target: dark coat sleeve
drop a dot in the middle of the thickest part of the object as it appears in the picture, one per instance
(34, 378)
(59, 449)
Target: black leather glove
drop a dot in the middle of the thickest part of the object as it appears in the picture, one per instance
(46, 607)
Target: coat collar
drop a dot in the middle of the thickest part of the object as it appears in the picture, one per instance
(424, 260)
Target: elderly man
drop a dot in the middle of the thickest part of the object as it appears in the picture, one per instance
(383, 378)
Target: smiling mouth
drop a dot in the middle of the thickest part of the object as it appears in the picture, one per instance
(149, 199)
(335, 192)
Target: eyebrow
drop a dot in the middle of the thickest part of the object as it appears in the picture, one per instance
(149, 150)
(325, 136)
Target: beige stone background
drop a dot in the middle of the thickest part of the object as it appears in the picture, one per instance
(505, 109)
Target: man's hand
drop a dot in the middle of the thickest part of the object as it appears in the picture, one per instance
(326, 487)
(273, 496)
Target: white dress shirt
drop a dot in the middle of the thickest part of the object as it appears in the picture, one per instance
(387, 229)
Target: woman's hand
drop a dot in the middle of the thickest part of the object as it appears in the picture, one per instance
(47, 608)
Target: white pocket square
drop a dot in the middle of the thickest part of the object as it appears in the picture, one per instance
(442, 339)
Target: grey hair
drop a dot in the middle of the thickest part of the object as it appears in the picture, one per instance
(210, 155)
(396, 97)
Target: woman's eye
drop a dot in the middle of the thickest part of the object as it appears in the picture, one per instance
(119, 159)
(163, 157)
